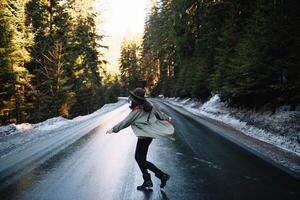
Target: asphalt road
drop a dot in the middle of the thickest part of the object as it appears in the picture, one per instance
(202, 165)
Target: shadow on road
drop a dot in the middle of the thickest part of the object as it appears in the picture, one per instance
(164, 195)
(147, 194)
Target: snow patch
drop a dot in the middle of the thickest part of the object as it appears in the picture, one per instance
(55, 123)
(14, 138)
(24, 127)
(8, 129)
(281, 129)
(52, 123)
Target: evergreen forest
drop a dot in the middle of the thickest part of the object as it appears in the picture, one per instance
(245, 51)
(52, 61)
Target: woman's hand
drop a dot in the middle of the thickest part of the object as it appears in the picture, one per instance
(169, 120)
(110, 131)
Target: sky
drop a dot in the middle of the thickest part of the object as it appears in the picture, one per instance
(121, 19)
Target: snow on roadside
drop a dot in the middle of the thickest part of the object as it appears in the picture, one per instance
(52, 123)
(55, 122)
(281, 129)
(15, 137)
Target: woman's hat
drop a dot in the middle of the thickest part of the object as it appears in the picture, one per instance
(138, 93)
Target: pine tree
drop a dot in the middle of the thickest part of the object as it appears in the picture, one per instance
(150, 61)
(87, 83)
(130, 65)
(16, 38)
(49, 22)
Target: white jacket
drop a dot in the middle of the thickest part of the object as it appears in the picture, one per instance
(152, 124)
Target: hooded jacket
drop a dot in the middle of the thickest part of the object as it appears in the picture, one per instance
(146, 124)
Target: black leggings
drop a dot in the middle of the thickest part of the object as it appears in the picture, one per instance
(141, 155)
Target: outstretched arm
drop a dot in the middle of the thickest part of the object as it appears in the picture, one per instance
(131, 117)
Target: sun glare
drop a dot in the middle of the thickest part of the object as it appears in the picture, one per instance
(121, 19)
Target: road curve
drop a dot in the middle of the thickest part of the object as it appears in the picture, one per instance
(202, 165)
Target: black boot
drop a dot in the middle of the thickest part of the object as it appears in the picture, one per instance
(147, 183)
(163, 178)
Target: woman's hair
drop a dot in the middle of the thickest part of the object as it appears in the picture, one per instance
(147, 107)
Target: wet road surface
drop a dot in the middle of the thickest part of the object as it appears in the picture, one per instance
(202, 165)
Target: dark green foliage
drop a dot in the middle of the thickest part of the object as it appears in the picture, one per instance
(15, 80)
(246, 51)
(84, 67)
(50, 60)
(131, 74)
(49, 57)
(113, 89)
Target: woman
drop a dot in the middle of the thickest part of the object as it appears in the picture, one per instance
(147, 122)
